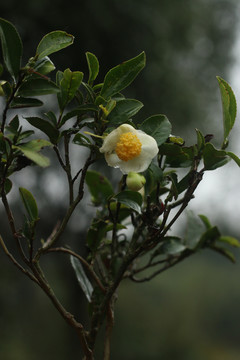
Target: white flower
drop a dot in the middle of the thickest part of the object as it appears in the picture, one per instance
(129, 149)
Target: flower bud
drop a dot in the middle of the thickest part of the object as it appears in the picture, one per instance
(135, 181)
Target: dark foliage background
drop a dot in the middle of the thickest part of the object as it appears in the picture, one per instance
(192, 311)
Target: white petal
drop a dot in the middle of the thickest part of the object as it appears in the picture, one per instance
(113, 160)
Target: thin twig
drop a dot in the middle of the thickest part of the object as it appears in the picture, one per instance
(83, 261)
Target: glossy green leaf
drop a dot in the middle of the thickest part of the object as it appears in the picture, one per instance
(45, 127)
(99, 187)
(11, 47)
(157, 126)
(36, 87)
(93, 66)
(53, 42)
(69, 84)
(44, 66)
(21, 102)
(132, 199)
(82, 278)
(31, 151)
(214, 158)
(229, 107)
(124, 110)
(29, 203)
(122, 75)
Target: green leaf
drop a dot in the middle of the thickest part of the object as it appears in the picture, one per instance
(200, 140)
(177, 156)
(11, 47)
(93, 66)
(36, 87)
(29, 203)
(205, 221)
(21, 102)
(172, 245)
(132, 199)
(82, 278)
(44, 66)
(229, 107)
(229, 240)
(52, 117)
(157, 126)
(53, 42)
(122, 75)
(31, 151)
(214, 158)
(225, 252)
(234, 157)
(95, 234)
(45, 127)
(80, 139)
(195, 229)
(69, 84)
(7, 187)
(99, 187)
(80, 110)
(124, 110)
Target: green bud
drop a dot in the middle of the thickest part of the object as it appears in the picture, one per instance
(135, 181)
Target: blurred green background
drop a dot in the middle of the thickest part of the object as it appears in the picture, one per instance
(192, 311)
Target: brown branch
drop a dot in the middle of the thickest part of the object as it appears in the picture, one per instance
(83, 261)
(16, 263)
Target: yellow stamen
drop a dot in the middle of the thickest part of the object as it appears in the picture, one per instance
(128, 146)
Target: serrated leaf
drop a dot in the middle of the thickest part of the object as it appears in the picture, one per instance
(11, 47)
(122, 75)
(93, 66)
(124, 110)
(37, 87)
(157, 126)
(45, 127)
(131, 199)
(229, 106)
(214, 158)
(80, 139)
(30, 203)
(82, 278)
(53, 42)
